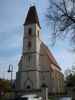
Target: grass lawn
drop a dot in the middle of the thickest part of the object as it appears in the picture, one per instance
(51, 98)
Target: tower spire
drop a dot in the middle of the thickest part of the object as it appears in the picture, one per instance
(32, 17)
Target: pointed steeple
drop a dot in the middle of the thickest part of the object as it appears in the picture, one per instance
(32, 17)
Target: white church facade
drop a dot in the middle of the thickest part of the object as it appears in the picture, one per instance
(37, 66)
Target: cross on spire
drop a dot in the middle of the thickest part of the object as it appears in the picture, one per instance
(32, 2)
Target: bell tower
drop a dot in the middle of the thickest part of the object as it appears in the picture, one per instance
(29, 63)
(31, 37)
(31, 30)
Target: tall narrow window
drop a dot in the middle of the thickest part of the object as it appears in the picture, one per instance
(29, 44)
(29, 59)
(30, 31)
(38, 33)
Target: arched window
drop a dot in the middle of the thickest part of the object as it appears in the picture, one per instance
(28, 87)
(28, 84)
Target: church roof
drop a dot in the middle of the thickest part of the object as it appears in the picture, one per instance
(32, 16)
(50, 56)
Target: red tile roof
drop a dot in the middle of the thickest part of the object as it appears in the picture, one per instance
(50, 56)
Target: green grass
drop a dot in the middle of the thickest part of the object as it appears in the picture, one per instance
(51, 98)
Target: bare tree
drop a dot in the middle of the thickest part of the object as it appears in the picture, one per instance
(61, 16)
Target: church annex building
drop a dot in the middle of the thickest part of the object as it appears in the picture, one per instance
(37, 66)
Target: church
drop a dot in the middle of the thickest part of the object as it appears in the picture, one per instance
(37, 66)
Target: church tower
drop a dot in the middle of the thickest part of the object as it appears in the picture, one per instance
(28, 73)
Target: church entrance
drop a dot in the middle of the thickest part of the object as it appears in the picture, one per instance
(28, 84)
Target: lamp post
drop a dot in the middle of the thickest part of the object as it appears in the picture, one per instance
(10, 70)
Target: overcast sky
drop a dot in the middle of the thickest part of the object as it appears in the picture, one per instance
(12, 17)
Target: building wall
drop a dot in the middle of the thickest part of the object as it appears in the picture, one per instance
(39, 71)
(45, 74)
(55, 77)
(58, 81)
(29, 71)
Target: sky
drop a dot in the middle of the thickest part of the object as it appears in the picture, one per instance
(12, 17)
